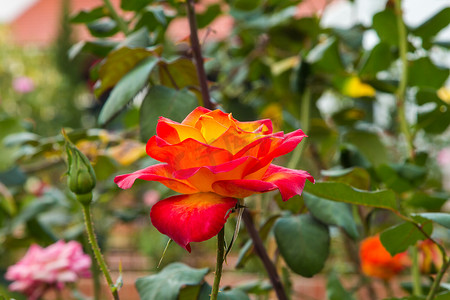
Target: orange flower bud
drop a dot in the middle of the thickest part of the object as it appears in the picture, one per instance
(377, 262)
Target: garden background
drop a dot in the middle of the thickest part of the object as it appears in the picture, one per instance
(367, 81)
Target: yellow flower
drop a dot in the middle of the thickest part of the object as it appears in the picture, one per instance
(355, 88)
(444, 94)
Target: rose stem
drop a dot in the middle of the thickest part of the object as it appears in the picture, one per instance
(261, 252)
(98, 254)
(219, 263)
(195, 44)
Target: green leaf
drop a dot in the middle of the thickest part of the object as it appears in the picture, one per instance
(205, 18)
(86, 16)
(245, 5)
(369, 144)
(385, 24)
(126, 89)
(304, 243)
(335, 290)
(178, 73)
(134, 5)
(152, 18)
(442, 219)
(163, 101)
(325, 56)
(425, 74)
(234, 294)
(431, 27)
(103, 28)
(98, 47)
(118, 63)
(375, 60)
(167, 283)
(138, 39)
(356, 177)
(428, 202)
(332, 213)
(398, 238)
(342, 192)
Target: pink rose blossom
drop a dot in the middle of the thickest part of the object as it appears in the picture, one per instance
(23, 85)
(51, 267)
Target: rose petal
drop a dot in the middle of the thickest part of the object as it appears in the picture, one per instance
(261, 126)
(159, 172)
(186, 154)
(204, 177)
(290, 182)
(191, 218)
(210, 128)
(193, 117)
(173, 132)
(242, 188)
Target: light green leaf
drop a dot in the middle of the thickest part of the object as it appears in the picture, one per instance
(332, 213)
(167, 283)
(118, 63)
(442, 219)
(234, 294)
(126, 89)
(398, 238)
(342, 192)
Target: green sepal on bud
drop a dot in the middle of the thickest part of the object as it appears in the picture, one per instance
(80, 174)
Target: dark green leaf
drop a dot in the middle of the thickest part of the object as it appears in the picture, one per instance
(369, 144)
(425, 74)
(86, 16)
(103, 28)
(376, 60)
(167, 283)
(163, 101)
(385, 24)
(335, 290)
(398, 238)
(205, 18)
(126, 89)
(303, 242)
(325, 56)
(98, 47)
(152, 18)
(134, 5)
(332, 213)
(442, 219)
(234, 294)
(342, 192)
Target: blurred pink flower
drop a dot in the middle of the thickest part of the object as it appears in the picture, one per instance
(51, 267)
(443, 157)
(151, 197)
(23, 85)
(443, 160)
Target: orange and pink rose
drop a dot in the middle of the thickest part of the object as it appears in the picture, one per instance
(212, 159)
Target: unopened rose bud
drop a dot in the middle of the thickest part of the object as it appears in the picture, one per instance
(81, 175)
